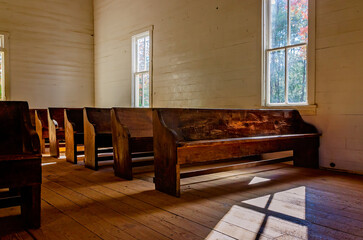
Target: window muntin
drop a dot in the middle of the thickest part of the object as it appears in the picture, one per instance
(286, 48)
(141, 69)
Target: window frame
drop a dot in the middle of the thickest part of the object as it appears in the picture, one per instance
(310, 68)
(5, 80)
(135, 36)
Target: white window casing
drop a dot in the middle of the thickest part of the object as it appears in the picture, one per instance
(309, 106)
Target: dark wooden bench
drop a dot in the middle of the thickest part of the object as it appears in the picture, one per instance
(74, 132)
(187, 136)
(20, 162)
(97, 136)
(41, 127)
(56, 129)
(132, 137)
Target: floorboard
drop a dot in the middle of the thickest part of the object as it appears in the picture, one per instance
(268, 202)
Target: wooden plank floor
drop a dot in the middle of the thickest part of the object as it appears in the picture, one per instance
(268, 202)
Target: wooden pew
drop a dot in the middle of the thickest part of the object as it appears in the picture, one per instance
(132, 137)
(56, 129)
(20, 162)
(97, 136)
(187, 136)
(41, 127)
(74, 132)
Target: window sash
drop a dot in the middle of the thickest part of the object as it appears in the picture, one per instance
(136, 72)
(268, 50)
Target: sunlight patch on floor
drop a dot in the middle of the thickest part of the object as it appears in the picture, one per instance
(256, 180)
(290, 202)
(49, 163)
(270, 216)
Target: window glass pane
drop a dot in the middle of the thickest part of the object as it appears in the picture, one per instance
(147, 52)
(278, 23)
(299, 21)
(139, 90)
(141, 54)
(297, 75)
(277, 76)
(146, 90)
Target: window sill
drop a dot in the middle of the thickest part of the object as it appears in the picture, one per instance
(305, 110)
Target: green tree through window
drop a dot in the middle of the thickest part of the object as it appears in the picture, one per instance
(286, 51)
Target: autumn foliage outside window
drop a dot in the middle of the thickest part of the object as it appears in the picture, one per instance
(286, 44)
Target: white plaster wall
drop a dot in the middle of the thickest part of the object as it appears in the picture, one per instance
(51, 51)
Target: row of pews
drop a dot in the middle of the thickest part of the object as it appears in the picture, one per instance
(177, 137)
(168, 138)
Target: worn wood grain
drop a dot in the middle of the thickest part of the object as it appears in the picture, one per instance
(74, 132)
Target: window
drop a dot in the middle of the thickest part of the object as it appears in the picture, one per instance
(287, 54)
(3, 64)
(142, 69)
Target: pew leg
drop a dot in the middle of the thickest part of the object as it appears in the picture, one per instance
(42, 143)
(123, 167)
(96, 160)
(54, 148)
(74, 157)
(91, 155)
(306, 154)
(71, 150)
(30, 206)
(167, 179)
(122, 161)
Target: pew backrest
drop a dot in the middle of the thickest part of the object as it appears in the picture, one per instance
(209, 124)
(42, 116)
(17, 134)
(100, 118)
(137, 120)
(57, 114)
(75, 116)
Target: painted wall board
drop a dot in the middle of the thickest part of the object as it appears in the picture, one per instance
(51, 51)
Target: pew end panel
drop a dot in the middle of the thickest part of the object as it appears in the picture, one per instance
(74, 132)
(20, 161)
(71, 146)
(132, 137)
(41, 127)
(56, 129)
(89, 142)
(97, 136)
(53, 141)
(167, 169)
(121, 148)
